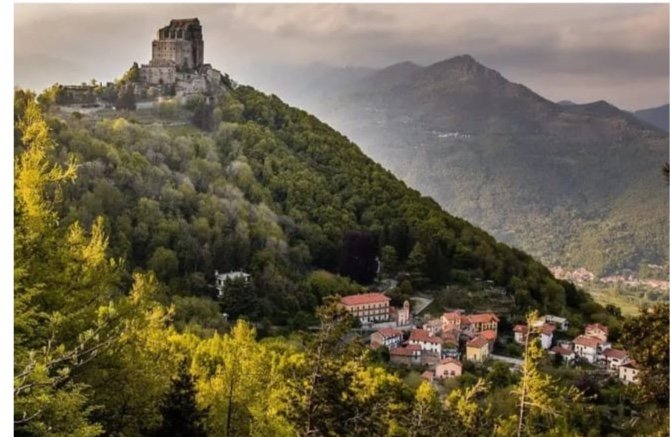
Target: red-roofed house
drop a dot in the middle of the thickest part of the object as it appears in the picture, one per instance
(411, 354)
(597, 330)
(628, 373)
(476, 323)
(451, 320)
(586, 347)
(615, 358)
(368, 307)
(567, 354)
(388, 337)
(477, 349)
(425, 340)
(448, 368)
(491, 338)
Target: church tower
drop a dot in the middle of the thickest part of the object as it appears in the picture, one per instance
(179, 44)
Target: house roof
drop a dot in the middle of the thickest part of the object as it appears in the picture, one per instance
(489, 335)
(366, 298)
(480, 318)
(587, 340)
(453, 315)
(450, 361)
(561, 351)
(618, 354)
(389, 332)
(424, 336)
(596, 326)
(478, 342)
(631, 364)
(451, 335)
(405, 351)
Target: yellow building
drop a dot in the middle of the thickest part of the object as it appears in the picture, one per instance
(477, 349)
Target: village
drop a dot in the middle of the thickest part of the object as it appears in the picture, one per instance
(440, 347)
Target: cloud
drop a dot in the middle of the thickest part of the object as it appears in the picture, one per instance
(604, 44)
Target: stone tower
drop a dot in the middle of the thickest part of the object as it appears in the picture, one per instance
(179, 44)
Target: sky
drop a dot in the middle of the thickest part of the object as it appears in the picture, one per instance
(578, 52)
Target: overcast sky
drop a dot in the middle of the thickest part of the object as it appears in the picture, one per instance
(580, 52)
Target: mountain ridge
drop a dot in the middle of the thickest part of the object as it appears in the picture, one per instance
(449, 131)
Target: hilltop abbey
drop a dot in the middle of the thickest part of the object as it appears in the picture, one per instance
(177, 56)
(176, 70)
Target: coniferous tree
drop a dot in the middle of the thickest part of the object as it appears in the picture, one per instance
(181, 415)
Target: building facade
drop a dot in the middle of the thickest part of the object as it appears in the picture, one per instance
(368, 307)
(180, 43)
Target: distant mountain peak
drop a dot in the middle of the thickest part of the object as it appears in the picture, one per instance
(461, 68)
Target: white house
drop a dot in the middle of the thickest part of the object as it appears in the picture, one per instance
(223, 279)
(586, 347)
(546, 335)
(425, 341)
(628, 373)
(615, 358)
(560, 322)
(388, 337)
(567, 354)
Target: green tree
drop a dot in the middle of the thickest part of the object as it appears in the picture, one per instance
(417, 266)
(427, 415)
(181, 415)
(651, 353)
(389, 259)
(63, 283)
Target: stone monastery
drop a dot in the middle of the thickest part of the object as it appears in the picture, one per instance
(177, 58)
(176, 70)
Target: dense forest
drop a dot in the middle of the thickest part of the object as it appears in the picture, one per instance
(119, 226)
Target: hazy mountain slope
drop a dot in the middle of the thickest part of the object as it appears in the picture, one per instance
(534, 173)
(658, 117)
(272, 191)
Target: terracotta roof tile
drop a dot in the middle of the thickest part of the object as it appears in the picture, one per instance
(367, 298)
(489, 335)
(478, 342)
(615, 353)
(561, 351)
(389, 332)
(596, 326)
(587, 340)
(450, 361)
(423, 336)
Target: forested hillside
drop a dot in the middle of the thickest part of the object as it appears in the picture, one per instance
(574, 185)
(274, 191)
(120, 221)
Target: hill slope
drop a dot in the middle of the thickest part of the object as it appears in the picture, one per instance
(273, 191)
(658, 117)
(577, 185)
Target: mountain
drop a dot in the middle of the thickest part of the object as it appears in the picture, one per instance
(658, 117)
(576, 185)
(275, 192)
